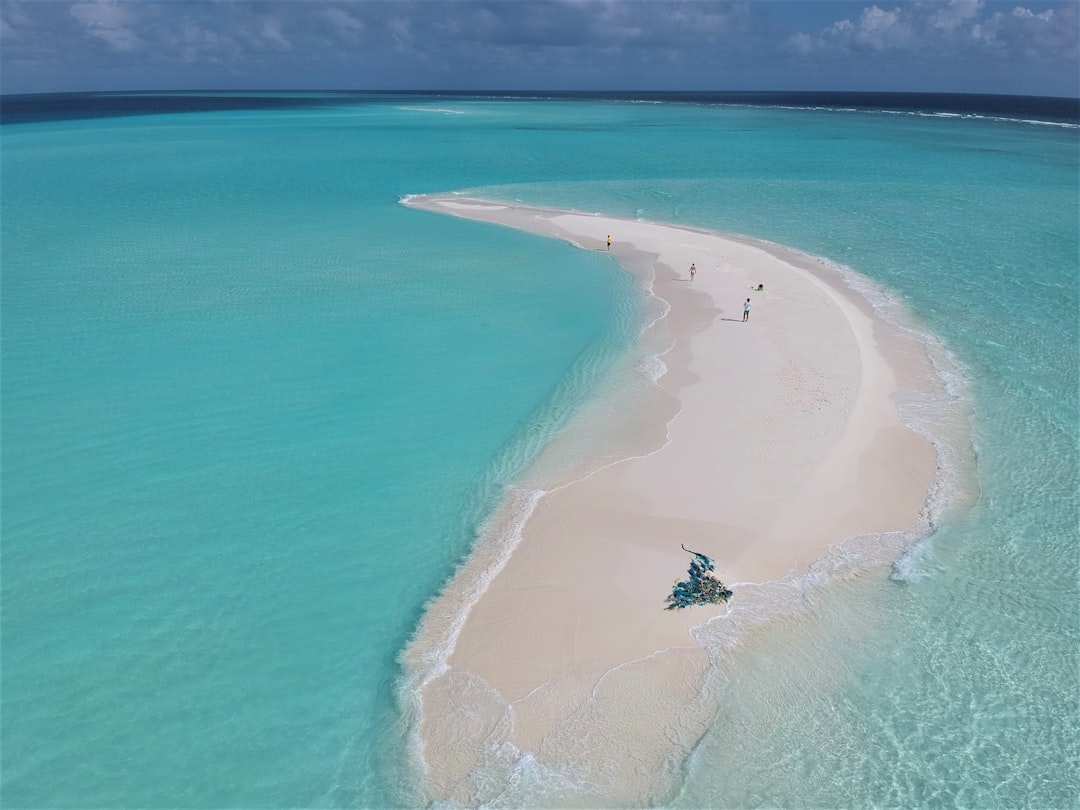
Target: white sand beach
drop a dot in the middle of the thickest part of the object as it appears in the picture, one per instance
(768, 442)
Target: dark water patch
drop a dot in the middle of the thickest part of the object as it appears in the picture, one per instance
(44, 107)
(16, 109)
(1065, 110)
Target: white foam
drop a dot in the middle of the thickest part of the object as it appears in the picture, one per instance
(653, 368)
(911, 567)
(442, 631)
(754, 605)
(518, 506)
(513, 778)
(917, 114)
(443, 110)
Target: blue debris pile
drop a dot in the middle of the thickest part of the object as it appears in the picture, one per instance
(701, 589)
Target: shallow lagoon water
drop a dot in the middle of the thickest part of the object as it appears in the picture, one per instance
(254, 412)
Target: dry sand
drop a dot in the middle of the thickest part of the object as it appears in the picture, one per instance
(767, 443)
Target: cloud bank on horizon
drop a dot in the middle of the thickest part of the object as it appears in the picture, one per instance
(980, 46)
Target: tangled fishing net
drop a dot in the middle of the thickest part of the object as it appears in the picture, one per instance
(701, 589)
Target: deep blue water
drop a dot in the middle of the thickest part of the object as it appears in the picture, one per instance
(44, 107)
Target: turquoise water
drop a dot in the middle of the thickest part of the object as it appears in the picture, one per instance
(254, 412)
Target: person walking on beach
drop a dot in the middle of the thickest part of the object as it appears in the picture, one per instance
(693, 272)
(746, 311)
(609, 241)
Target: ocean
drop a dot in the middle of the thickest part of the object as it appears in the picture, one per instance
(255, 413)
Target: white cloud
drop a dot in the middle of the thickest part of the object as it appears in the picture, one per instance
(1027, 14)
(193, 33)
(400, 29)
(198, 44)
(953, 14)
(875, 30)
(1037, 35)
(270, 31)
(257, 33)
(572, 43)
(802, 44)
(12, 19)
(109, 21)
(944, 29)
(344, 24)
(881, 30)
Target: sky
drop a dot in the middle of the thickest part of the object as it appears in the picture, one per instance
(1023, 47)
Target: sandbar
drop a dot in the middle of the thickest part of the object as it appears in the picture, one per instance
(764, 444)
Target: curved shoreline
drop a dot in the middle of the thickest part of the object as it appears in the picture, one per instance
(768, 444)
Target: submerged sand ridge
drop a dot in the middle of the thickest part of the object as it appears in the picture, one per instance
(763, 444)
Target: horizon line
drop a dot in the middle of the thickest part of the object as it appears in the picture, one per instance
(521, 91)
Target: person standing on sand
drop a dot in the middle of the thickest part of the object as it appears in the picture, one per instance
(693, 272)
(746, 311)
(609, 241)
